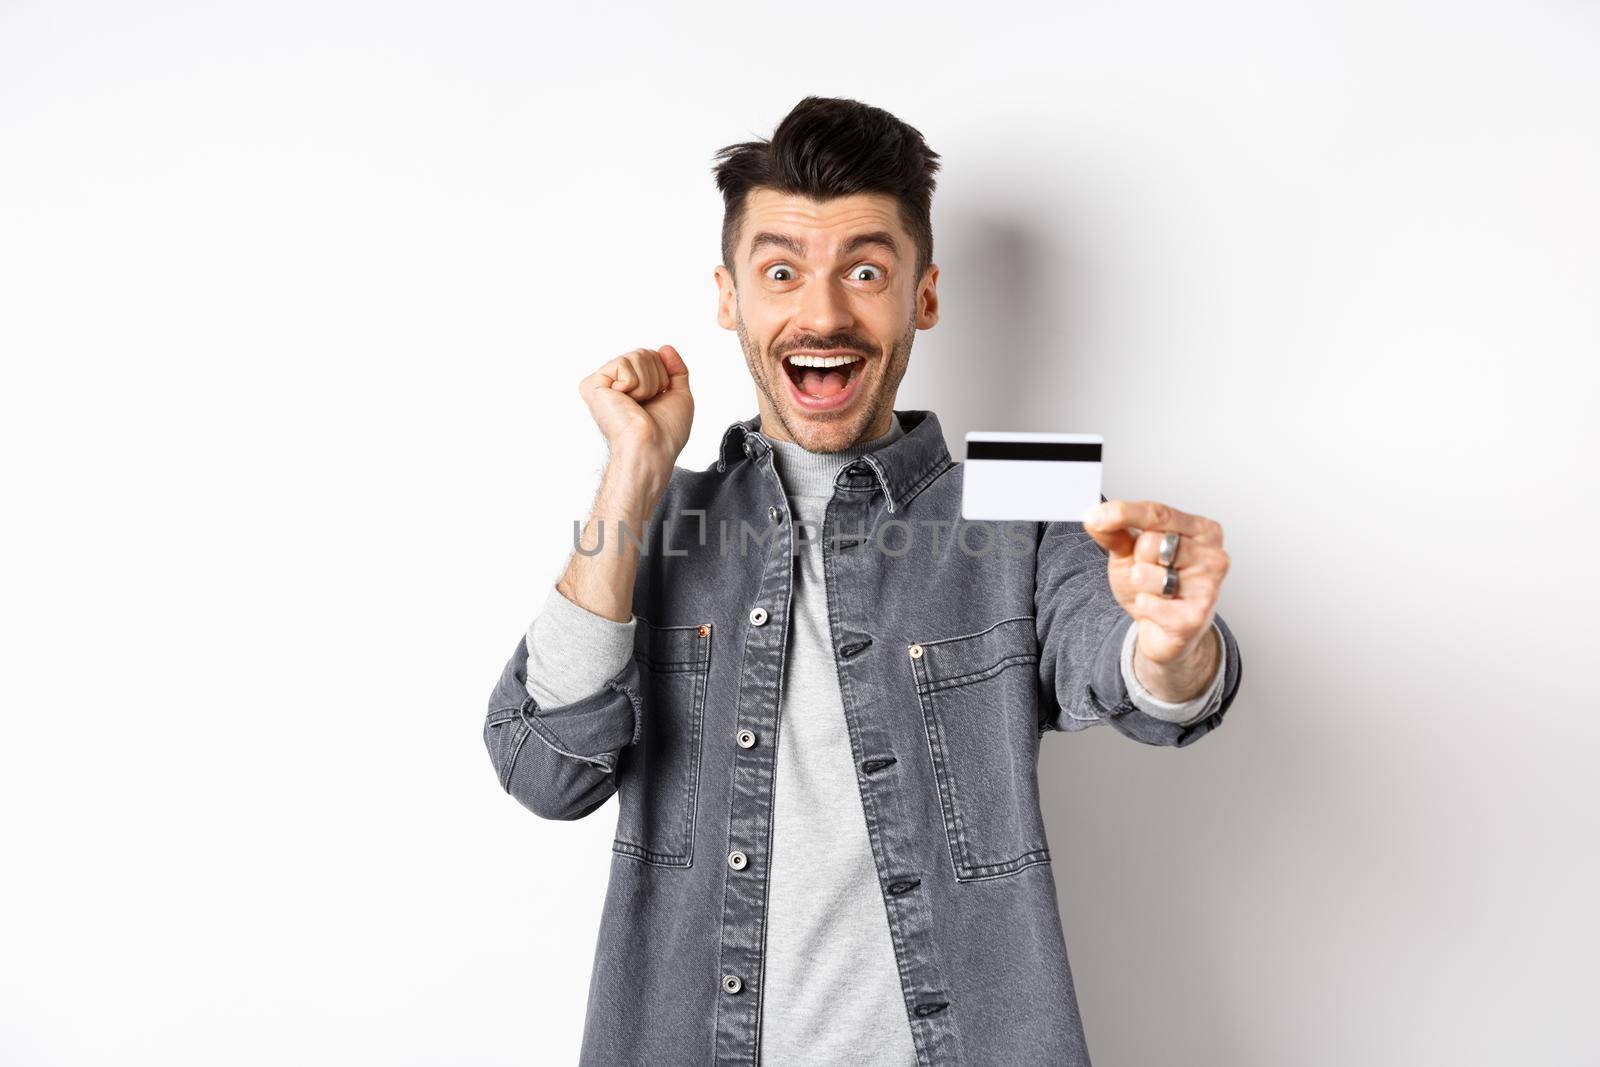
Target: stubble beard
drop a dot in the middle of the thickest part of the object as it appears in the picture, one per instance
(869, 411)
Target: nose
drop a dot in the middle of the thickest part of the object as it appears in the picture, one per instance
(824, 308)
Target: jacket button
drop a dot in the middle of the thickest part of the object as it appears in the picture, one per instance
(774, 514)
(749, 448)
(731, 983)
(916, 651)
(737, 860)
(704, 631)
(758, 616)
(746, 738)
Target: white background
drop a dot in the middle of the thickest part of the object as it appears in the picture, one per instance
(293, 301)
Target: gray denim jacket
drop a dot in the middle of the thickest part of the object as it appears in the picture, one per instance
(958, 645)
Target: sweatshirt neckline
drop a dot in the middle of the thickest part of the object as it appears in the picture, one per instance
(811, 474)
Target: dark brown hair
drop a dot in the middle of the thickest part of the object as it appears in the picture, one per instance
(828, 147)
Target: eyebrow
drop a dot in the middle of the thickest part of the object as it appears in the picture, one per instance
(794, 247)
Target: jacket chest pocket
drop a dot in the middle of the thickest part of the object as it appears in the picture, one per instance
(658, 777)
(979, 695)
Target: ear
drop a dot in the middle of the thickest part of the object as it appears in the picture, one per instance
(727, 298)
(928, 298)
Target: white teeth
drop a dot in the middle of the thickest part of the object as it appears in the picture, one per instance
(821, 361)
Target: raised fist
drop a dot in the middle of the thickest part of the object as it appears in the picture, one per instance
(642, 404)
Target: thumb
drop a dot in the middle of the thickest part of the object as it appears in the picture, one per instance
(1108, 534)
(677, 369)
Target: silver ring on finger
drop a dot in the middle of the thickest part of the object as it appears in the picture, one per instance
(1169, 548)
(1170, 588)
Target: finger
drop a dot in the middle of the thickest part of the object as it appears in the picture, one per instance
(1192, 555)
(598, 392)
(635, 378)
(1153, 515)
(1180, 617)
(1147, 547)
(623, 377)
(1152, 578)
(655, 375)
(652, 376)
(600, 379)
(1114, 539)
(1117, 542)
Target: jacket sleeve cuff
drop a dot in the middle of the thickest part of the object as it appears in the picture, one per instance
(1184, 712)
(1108, 696)
(548, 757)
(572, 651)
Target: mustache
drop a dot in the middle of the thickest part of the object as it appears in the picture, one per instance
(848, 341)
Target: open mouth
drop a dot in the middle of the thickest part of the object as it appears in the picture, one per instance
(821, 380)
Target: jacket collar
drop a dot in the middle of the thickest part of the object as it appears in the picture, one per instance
(901, 468)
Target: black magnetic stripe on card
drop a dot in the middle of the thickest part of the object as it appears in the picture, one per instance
(1054, 450)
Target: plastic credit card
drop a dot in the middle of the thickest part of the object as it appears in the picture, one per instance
(1039, 477)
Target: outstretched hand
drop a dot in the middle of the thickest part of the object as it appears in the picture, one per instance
(1170, 628)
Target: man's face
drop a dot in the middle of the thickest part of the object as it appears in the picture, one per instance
(822, 282)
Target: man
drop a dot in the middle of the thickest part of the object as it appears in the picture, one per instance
(822, 717)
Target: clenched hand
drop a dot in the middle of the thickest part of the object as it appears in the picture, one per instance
(642, 404)
(1173, 631)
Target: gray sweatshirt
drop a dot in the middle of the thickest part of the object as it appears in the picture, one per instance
(833, 987)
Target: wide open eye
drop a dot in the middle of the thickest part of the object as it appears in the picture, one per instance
(873, 272)
(773, 273)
